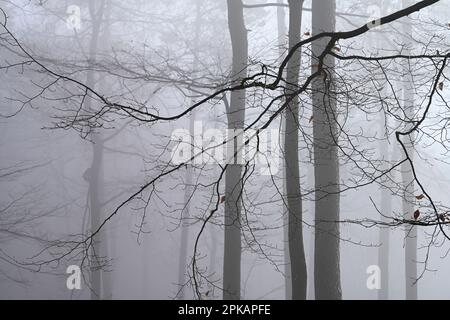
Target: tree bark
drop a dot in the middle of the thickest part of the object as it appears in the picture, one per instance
(385, 194)
(407, 174)
(293, 191)
(233, 183)
(384, 232)
(189, 173)
(99, 248)
(326, 166)
(281, 25)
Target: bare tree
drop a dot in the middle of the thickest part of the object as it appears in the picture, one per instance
(233, 187)
(293, 191)
(281, 25)
(326, 165)
(189, 174)
(407, 174)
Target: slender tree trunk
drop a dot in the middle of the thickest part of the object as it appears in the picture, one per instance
(108, 237)
(95, 176)
(95, 185)
(326, 165)
(281, 23)
(293, 191)
(212, 265)
(185, 230)
(188, 189)
(385, 194)
(233, 183)
(407, 174)
(386, 209)
(408, 210)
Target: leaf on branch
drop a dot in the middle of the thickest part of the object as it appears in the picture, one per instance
(222, 199)
(420, 197)
(311, 119)
(416, 214)
(442, 217)
(441, 86)
(307, 33)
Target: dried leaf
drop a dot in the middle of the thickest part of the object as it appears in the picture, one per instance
(420, 197)
(307, 33)
(222, 199)
(337, 49)
(441, 86)
(416, 214)
(311, 119)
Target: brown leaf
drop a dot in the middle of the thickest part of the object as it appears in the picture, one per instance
(442, 217)
(222, 199)
(337, 49)
(307, 33)
(441, 86)
(416, 214)
(311, 119)
(420, 197)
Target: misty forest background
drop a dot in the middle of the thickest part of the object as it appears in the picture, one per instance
(93, 92)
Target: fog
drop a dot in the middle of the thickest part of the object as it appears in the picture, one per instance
(214, 149)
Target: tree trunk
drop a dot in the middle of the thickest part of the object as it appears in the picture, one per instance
(233, 183)
(108, 237)
(281, 24)
(386, 209)
(95, 185)
(188, 189)
(326, 165)
(212, 265)
(293, 191)
(407, 174)
(95, 176)
(385, 194)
